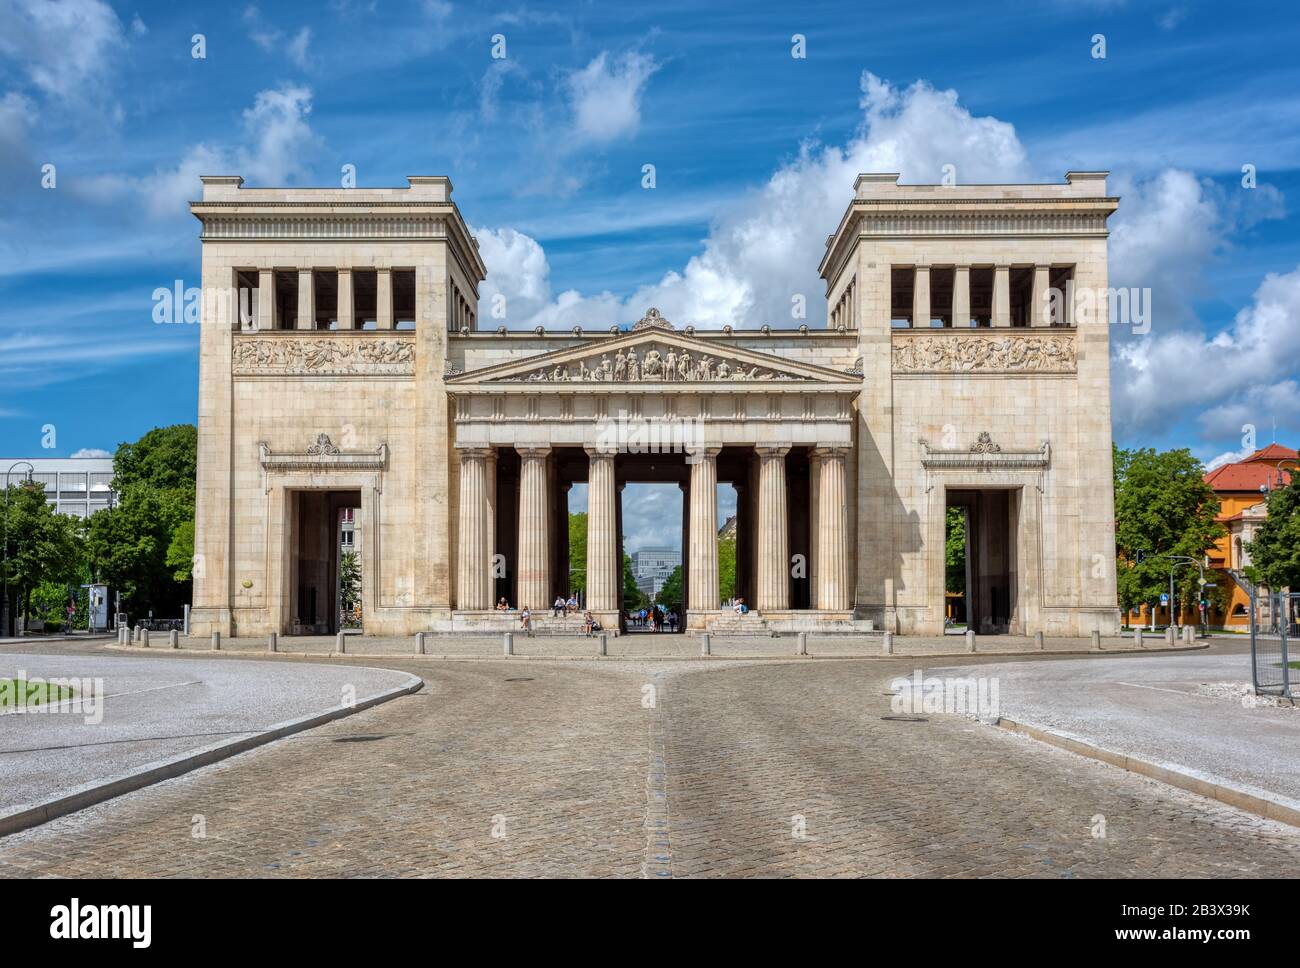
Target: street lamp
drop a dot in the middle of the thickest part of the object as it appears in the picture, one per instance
(4, 608)
(1179, 561)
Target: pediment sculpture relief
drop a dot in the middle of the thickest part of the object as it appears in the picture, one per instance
(658, 365)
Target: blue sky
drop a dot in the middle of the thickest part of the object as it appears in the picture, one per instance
(754, 153)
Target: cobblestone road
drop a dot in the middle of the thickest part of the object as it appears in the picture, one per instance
(743, 769)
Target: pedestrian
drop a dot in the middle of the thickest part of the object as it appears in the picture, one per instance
(557, 608)
(526, 621)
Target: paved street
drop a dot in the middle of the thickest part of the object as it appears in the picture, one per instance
(147, 709)
(1172, 710)
(738, 768)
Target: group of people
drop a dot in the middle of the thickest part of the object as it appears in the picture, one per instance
(656, 618)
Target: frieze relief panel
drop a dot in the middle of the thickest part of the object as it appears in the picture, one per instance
(322, 355)
(985, 352)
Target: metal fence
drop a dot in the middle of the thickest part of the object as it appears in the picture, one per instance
(1275, 642)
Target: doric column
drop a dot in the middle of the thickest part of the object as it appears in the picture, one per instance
(832, 590)
(1001, 295)
(472, 564)
(921, 298)
(961, 297)
(383, 298)
(602, 533)
(702, 568)
(306, 300)
(265, 299)
(1038, 299)
(773, 592)
(490, 470)
(345, 299)
(534, 530)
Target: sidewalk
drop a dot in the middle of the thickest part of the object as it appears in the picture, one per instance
(1172, 717)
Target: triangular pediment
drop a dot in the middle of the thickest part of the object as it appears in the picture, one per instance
(646, 356)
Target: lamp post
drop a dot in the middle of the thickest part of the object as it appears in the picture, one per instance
(4, 607)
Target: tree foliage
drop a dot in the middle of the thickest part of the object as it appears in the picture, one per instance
(670, 592)
(578, 552)
(1163, 508)
(41, 546)
(726, 569)
(955, 552)
(144, 545)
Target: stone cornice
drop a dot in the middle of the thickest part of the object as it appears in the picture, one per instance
(984, 454)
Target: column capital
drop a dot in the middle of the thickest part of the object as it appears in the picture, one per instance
(599, 453)
(697, 454)
(475, 453)
(771, 452)
(829, 451)
(922, 267)
(533, 451)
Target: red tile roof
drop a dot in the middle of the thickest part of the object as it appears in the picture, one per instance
(1251, 473)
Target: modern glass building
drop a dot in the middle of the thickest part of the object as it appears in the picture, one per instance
(74, 485)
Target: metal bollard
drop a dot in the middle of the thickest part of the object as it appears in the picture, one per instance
(340, 644)
(1137, 638)
(1038, 641)
(887, 645)
(803, 644)
(706, 647)
(138, 630)
(144, 638)
(1169, 636)
(419, 643)
(508, 643)
(970, 640)
(604, 644)
(272, 642)
(1096, 639)
(173, 639)
(216, 641)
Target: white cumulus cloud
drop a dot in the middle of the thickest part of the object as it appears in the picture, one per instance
(606, 95)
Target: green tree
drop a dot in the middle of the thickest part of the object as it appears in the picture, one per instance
(1163, 507)
(578, 552)
(670, 592)
(955, 552)
(144, 545)
(726, 569)
(41, 546)
(1275, 552)
(349, 584)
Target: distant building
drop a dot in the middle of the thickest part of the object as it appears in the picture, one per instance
(652, 566)
(1242, 488)
(79, 486)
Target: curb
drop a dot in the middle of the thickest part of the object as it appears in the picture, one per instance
(97, 792)
(691, 657)
(1281, 809)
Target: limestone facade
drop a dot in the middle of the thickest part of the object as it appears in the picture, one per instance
(344, 363)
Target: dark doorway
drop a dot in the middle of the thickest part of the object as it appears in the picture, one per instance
(327, 535)
(989, 569)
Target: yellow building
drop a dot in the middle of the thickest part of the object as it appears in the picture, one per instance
(1242, 488)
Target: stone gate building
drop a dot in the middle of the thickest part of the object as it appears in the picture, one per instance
(345, 363)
